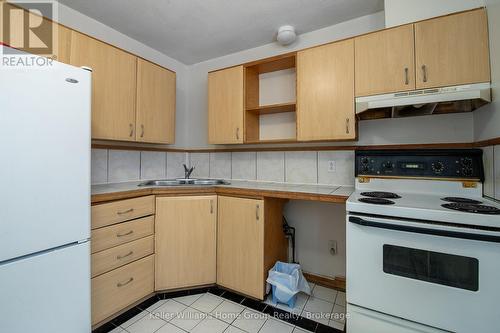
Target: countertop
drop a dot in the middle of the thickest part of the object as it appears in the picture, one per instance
(324, 193)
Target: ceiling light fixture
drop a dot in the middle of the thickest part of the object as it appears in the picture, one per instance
(286, 35)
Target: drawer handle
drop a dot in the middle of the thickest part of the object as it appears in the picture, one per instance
(257, 215)
(125, 211)
(125, 256)
(121, 284)
(407, 79)
(125, 234)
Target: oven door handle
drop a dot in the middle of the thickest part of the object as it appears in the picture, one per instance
(425, 231)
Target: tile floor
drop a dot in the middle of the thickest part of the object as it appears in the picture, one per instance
(215, 310)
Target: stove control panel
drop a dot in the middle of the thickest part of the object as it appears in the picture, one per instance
(428, 163)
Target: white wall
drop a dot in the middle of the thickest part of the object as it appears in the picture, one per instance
(89, 26)
(315, 225)
(399, 12)
(487, 119)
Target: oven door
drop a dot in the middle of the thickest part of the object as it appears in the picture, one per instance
(447, 277)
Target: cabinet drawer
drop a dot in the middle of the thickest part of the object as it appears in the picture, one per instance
(107, 260)
(118, 234)
(115, 290)
(123, 210)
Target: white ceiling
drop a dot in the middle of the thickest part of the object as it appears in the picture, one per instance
(196, 30)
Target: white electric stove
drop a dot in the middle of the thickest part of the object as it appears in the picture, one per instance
(423, 245)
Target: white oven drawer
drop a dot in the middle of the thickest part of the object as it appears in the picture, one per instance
(442, 281)
(362, 320)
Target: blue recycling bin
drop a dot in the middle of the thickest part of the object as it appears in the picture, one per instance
(287, 281)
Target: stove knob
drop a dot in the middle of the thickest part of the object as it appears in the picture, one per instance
(467, 171)
(387, 165)
(365, 160)
(438, 167)
(467, 162)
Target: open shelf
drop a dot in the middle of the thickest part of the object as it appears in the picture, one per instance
(273, 108)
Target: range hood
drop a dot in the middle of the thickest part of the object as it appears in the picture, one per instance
(463, 98)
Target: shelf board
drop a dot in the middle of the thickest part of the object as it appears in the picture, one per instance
(273, 108)
(292, 140)
(277, 63)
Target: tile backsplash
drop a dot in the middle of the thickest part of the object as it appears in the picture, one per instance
(301, 167)
(491, 160)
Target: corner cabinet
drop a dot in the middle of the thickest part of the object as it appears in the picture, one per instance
(185, 239)
(225, 106)
(452, 50)
(250, 240)
(385, 61)
(155, 120)
(325, 92)
(113, 86)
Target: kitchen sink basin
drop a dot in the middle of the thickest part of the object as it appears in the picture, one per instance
(184, 182)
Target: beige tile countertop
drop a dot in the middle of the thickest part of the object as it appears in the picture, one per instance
(325, 193)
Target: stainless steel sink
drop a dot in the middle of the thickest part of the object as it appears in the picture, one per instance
(185, 182)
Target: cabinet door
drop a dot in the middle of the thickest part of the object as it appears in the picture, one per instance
(155, 121)
(452, 50)
(113, 86)
(385, 61)
(185, 241)
(325, 92)
(225, 106)
(240, 245)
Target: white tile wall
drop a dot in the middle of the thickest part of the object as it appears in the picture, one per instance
(99, 170)
(301, 167)
(271, 166)
(123, 165)
(174, 164)
(244, 166)
(153, 165)
(496, 157)
(344, 167)
(201, 163)
(220, 165)
(489, 172)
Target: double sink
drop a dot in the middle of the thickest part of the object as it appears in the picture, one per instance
(185, 182)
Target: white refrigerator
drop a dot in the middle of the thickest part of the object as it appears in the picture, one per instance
(45, 199)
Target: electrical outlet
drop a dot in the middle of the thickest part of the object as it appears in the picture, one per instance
(332, 245)
(332, 166)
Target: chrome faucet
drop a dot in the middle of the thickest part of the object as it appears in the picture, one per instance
(187, 171)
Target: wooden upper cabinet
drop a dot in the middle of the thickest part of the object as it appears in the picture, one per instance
(155, 121)
(452, 50)
(185, 241)
(385, 61)
(325, 92)
(225, 106)
(113, 86)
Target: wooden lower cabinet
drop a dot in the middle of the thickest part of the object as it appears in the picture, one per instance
(250, 240)
(115, 290)
(185, 239)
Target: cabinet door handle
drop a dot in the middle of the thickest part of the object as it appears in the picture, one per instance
(119, 257)
(125, 234)
(237, 133)
(211, 206)
(121, 284)
(347, 125)
(424, 72)
(407, 79)
(257, 212)
(125, 211)
(131, 130)
(142, 130)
